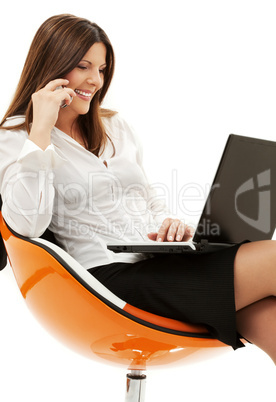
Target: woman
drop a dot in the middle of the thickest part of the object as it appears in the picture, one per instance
(68, 164)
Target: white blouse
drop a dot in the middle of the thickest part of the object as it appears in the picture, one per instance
(85, 200)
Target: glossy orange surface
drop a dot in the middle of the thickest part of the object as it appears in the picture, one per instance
(83, 322)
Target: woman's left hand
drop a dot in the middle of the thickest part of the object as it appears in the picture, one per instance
(172, 230)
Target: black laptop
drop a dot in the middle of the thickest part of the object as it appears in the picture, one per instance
(241, 205)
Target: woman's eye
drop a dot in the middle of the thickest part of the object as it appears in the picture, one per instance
(82, 67)
(102, 71)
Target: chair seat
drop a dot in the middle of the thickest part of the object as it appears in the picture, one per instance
(78, 310)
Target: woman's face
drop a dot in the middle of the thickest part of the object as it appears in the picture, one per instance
(86, 79)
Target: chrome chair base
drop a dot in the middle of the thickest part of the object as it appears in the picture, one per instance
(135, 387)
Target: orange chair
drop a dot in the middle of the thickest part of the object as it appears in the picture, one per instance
(79, 311)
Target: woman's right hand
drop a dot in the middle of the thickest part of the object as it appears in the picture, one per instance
(46, 102)
(46, 107)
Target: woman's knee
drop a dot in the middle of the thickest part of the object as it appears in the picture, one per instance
(255, 272)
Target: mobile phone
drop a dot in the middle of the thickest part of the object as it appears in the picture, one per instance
(63, 104)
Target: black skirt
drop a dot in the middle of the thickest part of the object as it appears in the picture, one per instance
(195, 288)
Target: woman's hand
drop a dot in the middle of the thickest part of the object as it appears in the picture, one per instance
(172, 230)
(46, 107)
(47, 101)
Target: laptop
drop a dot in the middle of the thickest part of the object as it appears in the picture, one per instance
(241, 205)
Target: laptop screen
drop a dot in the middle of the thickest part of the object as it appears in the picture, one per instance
(242, 201)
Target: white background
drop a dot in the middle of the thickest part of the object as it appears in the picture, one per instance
(188, 73)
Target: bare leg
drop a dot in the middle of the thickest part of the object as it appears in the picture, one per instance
(255, 291)
(257, 323)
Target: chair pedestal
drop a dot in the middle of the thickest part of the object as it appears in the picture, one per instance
(135, 386)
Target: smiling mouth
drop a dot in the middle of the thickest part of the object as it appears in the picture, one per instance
(83, 93)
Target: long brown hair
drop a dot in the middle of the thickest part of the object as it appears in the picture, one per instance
(58, 46)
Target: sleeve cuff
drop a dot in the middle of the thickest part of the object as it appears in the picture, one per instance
(34, 158)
